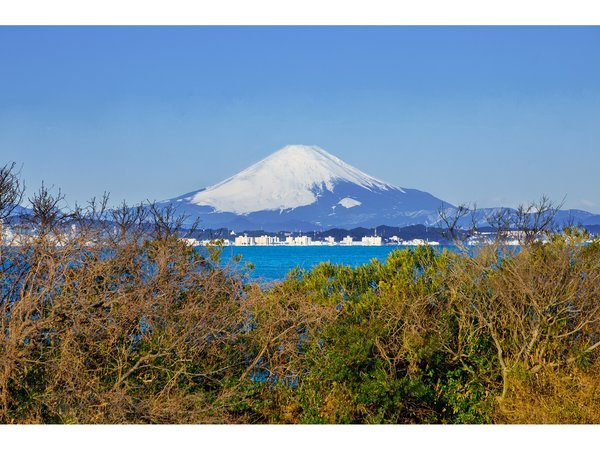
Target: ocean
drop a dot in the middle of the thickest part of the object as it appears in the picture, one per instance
(272, 263)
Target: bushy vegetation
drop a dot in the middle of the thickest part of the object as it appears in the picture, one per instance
(109, 317)
(431, 337)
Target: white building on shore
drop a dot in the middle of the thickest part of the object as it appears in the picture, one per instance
(347, 241)
(417, 242)
(244, 240)
(298, 240)
(371, 240)
(267, 240)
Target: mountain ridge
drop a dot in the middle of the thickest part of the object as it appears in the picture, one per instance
(304, 186)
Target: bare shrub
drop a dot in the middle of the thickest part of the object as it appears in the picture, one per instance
(114, 320)
(11, 190)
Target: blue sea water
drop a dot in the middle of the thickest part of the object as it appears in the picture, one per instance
(272, 263)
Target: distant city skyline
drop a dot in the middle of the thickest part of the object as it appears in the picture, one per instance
(492, 115)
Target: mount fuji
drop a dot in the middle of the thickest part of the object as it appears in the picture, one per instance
(305, 188)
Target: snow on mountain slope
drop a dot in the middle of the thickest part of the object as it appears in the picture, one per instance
(348, 202)
(295, 176)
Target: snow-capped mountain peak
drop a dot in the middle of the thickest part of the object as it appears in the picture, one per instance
(304, 188)
(294, 176)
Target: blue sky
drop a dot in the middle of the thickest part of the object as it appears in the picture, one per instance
(495, 115)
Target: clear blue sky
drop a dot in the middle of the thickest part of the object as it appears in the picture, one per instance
(496, 115)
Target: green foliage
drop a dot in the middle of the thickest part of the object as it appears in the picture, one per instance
(156, 332)
(379, 359)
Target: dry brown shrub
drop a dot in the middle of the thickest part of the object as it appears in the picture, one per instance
(553, 396)
(116, 323)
